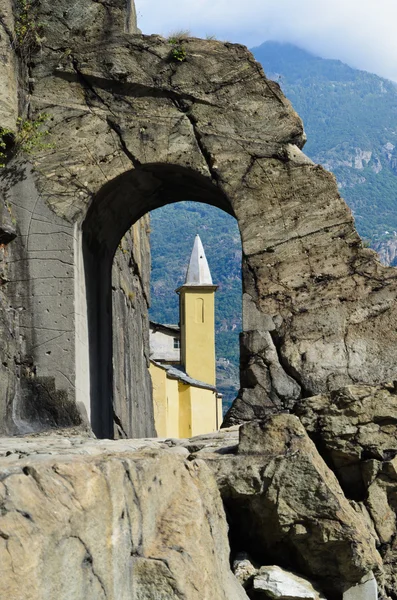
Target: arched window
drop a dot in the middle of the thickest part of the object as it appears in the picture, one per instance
(199, 310)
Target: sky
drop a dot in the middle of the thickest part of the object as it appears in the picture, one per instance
(361, 33)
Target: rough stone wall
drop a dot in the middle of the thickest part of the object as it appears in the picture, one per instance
(9, 346)
(39, 262)
(132, 388)
(8, 68)
(133, 129)
(8, 314)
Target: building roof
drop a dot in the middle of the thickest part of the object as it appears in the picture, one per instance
(198, 272)
(176, 372)
(165, 328)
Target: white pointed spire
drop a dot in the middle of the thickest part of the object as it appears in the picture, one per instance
(198, 272)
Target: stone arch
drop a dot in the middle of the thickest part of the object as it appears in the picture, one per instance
(117, 206)
(319, 310)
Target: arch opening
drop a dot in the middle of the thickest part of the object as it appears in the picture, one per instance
(173, 229)
(118, 205)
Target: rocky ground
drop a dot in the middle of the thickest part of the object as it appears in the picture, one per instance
(298, 507)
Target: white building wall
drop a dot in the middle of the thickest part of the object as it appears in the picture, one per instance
(162, 346)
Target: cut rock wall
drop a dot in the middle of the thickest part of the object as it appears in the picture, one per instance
(9, 346)
(132, 386)
(133, 129)
(38, 263)
(8, 68)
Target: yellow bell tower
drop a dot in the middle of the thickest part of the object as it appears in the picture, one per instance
(197, 318)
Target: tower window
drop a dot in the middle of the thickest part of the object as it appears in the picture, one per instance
(177, 343)
(199, 316)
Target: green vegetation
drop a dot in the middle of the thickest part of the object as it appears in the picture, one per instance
(29, 139)
(28, 30)
(32, 134)
(178, 51)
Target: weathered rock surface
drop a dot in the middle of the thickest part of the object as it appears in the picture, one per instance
(284, 505)
(94, 21)
(38, 295)
(133, 129)
(9, 321)
(367, 589)
(130, 130)
(355, 429)
(287, 506)
(281, 585)
(132, 386)
(115, 525)
(8, 68)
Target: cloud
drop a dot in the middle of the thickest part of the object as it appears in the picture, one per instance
(359, 32)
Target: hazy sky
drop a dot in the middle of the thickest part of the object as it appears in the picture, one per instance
(359, 32)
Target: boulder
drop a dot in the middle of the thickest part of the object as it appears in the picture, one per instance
(136, 517)
(285, 505)
(355, 429)
(96, 522)
(243, 569)
(282, 585)
(365, 590)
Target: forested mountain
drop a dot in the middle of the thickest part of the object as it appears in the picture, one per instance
(350, 118)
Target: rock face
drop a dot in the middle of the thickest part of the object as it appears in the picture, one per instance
(132, 387)
(144, 519)
(8, 68)
(281, 585)
(8, 323)
(125, 525)
(9, 113)
(354, 427)
(31, 399)
(287, 506)
(355, 430)
(131, 129)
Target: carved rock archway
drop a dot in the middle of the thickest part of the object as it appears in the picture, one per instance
(131, 130)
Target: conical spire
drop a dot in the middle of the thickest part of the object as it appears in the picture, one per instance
(198, 272)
